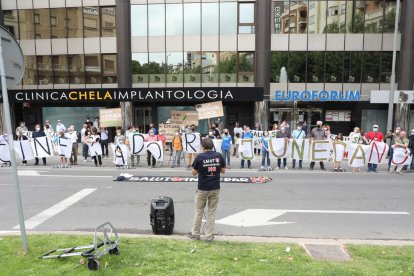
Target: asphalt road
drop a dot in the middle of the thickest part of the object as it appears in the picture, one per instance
(316, 204)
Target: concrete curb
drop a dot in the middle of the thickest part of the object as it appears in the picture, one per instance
(253, 239)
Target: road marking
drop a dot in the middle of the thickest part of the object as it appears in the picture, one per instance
(28, 173)
(57, 186)
(55, 209)
(262, 217)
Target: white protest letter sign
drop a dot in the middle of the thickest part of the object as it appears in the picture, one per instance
(401, 157)
(320, 150)
(4, 152)
(217, 145)
(339, 148)
(156, 150)
(136, 143)
(23, 149)
(299, 149)
(246, 149)
(120, 154)
(191, 142)
(42, 147)
(377, 152)
(357, 155)
(65, 147)
(279, 147)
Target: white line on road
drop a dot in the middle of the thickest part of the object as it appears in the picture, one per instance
(56, 186)
(55, 209)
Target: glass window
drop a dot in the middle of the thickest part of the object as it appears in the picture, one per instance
(192, 19)
(278, 67)
(11, 22)
(228, 18)
(371, 67)
(139, 20)
(386, 67)
(45, 69)
(318, 13)
(108, 21)
(157, 68)
(315, 70)
(246, 18)
(58, 23)
(192, 67)
(60, 69)
(352, 67)
(30, 73)
(246, 67)
(209, 61)
(280, 12)
(91, 23)
(156, 19)
(139, 68)
(298, 17)
(387, 23)
(374, 15)
(26, 27)
(297, 66)
(109, 68)
(93, 69)
(210, 19)
(336, 17)
(355, 11)
(175, 67)
(74, 22)
(228, 67)
(174, 14)
(76, 69)
(334, 64)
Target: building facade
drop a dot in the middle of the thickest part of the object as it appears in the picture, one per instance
(196, 51)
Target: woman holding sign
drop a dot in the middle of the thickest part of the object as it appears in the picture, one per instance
(94, 146)
(151, 138)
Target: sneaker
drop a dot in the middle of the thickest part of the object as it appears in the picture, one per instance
(399, 172)
(323, 169)
(249, 167)
(262, 168)
(286, 168)
(300, 168)
(277, 168)
(84, 160)
(36, 164)
(241, 167)
(209, 240)
(193, 237)
(311, 169)
(228, 167)
(172, 166)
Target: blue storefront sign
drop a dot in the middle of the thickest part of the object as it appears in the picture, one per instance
(314, 95)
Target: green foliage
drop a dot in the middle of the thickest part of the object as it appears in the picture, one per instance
(154, 256)
(356, 25)
(229, 65)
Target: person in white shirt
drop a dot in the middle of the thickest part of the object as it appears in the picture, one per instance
(104, 141)
(71, 134)
(239, 130)
(85, 147)
(298, 134)
(96, 123)
(60, 127)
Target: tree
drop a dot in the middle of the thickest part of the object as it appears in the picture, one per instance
(356, 26)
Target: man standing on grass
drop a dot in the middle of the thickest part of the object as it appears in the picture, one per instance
(208, 165)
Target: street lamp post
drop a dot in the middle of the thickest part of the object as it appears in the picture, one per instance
(394, 61)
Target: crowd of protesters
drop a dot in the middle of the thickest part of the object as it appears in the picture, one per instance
(92, 135)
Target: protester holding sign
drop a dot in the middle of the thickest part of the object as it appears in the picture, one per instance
(134, 130)
(177, 149)
(317, 133)
(283, 133)
(265, 151)
(400, 142)
(190, 156)
(104, 141)
(356, 137)
(392, 137)
(94, 146)
(73, 136)
(226, 142)
(246, 135)
(36, 134)
(85, 148)
(373, 136)
(151, 138)
(163, 139)
(337, 164)
(21, 137)
(298, 134)
(62, 157)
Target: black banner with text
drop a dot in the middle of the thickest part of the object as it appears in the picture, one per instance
(149, 95)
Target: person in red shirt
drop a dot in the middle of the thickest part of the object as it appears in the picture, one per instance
(373, 136)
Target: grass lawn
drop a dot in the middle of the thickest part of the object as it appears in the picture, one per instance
(154, 256)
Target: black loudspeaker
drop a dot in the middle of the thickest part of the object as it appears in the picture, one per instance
(162, 215)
